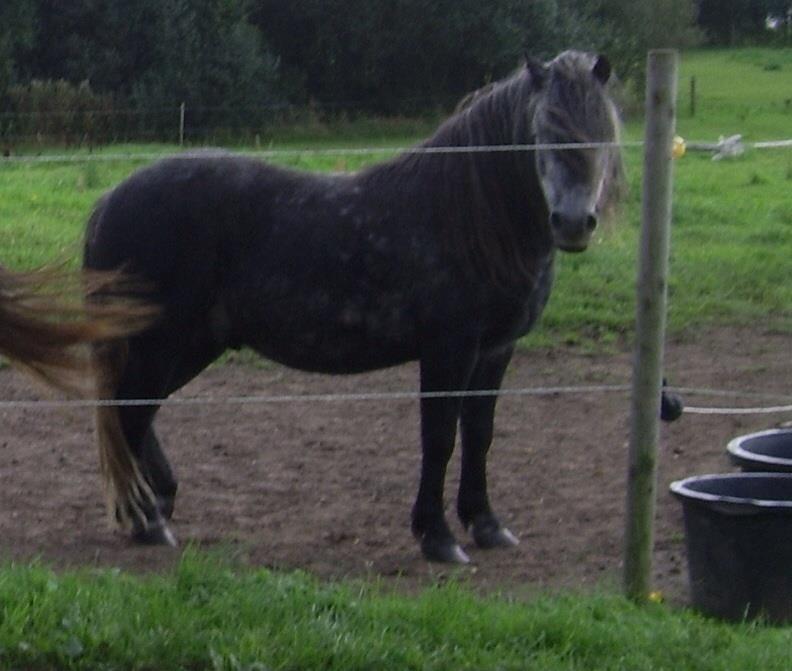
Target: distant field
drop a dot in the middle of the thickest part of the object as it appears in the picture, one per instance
(746, 91)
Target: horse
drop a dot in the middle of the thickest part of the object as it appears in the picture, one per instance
(45, 322)
(442, 254)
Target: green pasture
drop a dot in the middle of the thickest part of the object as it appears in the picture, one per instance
(731, 251)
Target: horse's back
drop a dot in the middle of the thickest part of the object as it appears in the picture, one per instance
(293, 264)
(175, 206)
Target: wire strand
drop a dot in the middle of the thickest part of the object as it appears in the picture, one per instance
(198, 153)
(308, 398)
(408, 396)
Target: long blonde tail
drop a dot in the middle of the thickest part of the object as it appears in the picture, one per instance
(128, 493)
(46, 323)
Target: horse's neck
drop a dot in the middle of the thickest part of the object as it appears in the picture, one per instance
(465, 184)
(466, 128)
(506, 173)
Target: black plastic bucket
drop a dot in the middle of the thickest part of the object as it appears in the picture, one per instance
(738, 530)
(767, 451)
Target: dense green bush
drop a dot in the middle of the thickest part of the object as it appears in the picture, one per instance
(57, 110)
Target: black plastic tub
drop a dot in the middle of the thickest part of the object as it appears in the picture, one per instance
(767, 451)
(738, 533)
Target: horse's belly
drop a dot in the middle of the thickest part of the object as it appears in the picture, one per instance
(320, 354)
(342, 339)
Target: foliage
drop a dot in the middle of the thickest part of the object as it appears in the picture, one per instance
(626, 30)
(232, 59)
(154, 54)
(206, 55)
(385, 56)
(392, 57)
(57, 110)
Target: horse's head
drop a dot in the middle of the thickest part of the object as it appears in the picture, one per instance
(573, 107)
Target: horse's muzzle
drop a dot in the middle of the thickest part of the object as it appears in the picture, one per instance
(572, 233)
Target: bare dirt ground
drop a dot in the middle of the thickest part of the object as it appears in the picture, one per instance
(327, 486)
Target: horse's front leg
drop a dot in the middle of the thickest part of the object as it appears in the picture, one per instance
(477, 423)
(445, 368)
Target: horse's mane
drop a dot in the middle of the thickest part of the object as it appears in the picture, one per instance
(490, 205)
(44, 322)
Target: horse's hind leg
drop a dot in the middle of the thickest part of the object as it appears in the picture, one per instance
(477, 422)
(155, 465)
(141, 483)
(158, 473)
(149, 513)
(192, 359)
(121, 432)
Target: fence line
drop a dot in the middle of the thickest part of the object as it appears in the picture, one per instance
(374, 396)
(770, 144)
(312, 398)
(693, 410)
(274, 399)
(198, 152)
(377, 396)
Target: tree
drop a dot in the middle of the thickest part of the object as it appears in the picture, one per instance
(402, 54)
(157, 53)
(207, 54)
(627, 29)
(379, 56)
(729, 21)
(17, 32)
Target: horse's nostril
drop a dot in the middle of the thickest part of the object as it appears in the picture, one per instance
(591, 222)
(555, 219)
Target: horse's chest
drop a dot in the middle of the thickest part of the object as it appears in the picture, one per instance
(513, 315)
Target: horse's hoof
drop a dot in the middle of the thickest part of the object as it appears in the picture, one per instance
(157, 533)
(448, 553)
(490, 534)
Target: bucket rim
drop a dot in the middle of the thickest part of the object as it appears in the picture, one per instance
(681, 489)
(735, 448)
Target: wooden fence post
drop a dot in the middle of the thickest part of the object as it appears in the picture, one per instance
(650, 321)
(693, 96)
(181, 124)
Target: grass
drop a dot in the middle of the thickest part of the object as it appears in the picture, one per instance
(754, 98)
(210, 614)
(729, 241)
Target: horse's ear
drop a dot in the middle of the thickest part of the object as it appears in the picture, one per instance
(537, 69)
(602, 69)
